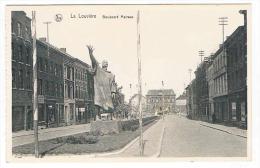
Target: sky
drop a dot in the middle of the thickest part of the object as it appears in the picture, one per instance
(171, 36)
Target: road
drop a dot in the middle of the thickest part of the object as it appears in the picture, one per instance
(187, 138)
(178, 136)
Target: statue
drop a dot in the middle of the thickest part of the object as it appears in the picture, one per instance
(104, 85)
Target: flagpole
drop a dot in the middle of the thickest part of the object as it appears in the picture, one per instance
(35, 94)
(140, 85)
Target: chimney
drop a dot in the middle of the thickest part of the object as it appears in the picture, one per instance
(63, 49)
(42, 39)
(244, 12)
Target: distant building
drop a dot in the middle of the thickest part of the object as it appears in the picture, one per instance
(161, 100)
(21, 71)
(181, 103)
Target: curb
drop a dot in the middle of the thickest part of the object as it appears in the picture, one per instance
(160, 143)
(242, 136)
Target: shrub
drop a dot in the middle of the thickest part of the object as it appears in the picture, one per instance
(96, 133)
(78, 140)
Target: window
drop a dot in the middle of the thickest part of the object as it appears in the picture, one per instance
(55, 69)
(40, 87)
(47, 88)
(19, 29)
(28, 55)
(69, 90)
(57, 90)
(76, 91)
(13, 51)
(12, 26)
(28, 79)
(66, 90)
(20, 74)
(61, 90)
(41, 63)
(51, 68)
(27, 33)
(46, 66)
(68, 73)
(20, 54)
(13, 78)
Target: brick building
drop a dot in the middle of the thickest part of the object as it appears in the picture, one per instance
(50, 84)
(192, 101)
(21, 71)
(81, 90)
(161, 100)
(69, 89)
(220, 84)
(202, 91)
(210, 81)
(237, 74)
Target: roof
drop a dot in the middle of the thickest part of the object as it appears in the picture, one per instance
(183, 96)
(160, 92)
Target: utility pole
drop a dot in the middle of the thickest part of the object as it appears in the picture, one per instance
(223, 22)
(35, 94)
(141, 147)
(201, 54)
(47, 24)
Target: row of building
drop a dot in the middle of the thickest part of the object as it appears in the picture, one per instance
(219, 91)
(65, 84)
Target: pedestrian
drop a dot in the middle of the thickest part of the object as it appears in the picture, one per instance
(213, 118)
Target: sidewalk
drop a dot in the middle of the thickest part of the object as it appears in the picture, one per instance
(230, 130)
(152, 143)
(26, 137)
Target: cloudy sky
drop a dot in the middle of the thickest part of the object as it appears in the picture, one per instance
(171, 36)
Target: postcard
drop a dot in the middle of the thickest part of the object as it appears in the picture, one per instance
(128, 82)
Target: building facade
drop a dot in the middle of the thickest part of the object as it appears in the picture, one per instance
(202, 91)
(21, 71)
(162, 100)
(220, 85)
(81, 91)
(50, 84)
(69, 89)
(210, 81)
(237, 76)
(181, 103)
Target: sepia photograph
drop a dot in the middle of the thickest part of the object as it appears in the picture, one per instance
(136, 81)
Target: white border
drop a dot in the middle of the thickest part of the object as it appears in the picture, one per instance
(255, 89)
